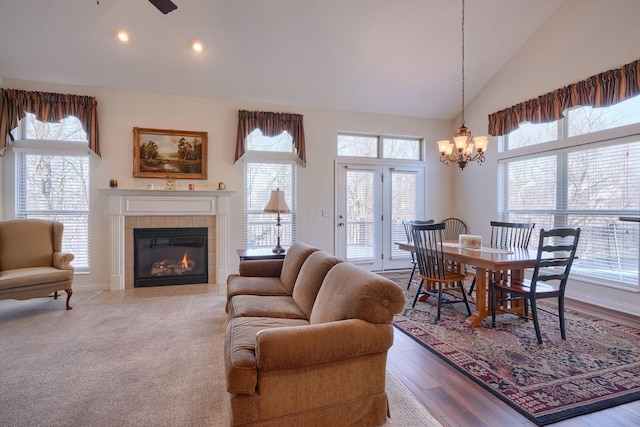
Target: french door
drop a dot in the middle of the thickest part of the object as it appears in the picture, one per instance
(372, 202)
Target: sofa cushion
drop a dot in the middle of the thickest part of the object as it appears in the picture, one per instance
(310, 278)
(242, 285)
(33, 276)
(293, 260)
(350, 292)
(261, 268)
(240, 350)
(282, 306)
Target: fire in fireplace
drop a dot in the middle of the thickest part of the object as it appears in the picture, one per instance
(170, 256)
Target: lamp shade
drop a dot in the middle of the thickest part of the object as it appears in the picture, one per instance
(276, 203)
(444, 146)
(481, 143)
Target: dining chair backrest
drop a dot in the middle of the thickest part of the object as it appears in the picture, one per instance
(453, 228)
(407, 227)
(512, 234)
(427, 242)
(561, 245)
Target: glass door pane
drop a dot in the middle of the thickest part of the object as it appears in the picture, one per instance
(360, 215)
(403, 189)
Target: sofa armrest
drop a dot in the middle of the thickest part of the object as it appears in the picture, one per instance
(296, 346)
(261, 268)
(62, 260)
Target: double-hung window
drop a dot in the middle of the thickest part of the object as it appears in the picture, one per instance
(270, 164)
(52, 180)
(581, 171)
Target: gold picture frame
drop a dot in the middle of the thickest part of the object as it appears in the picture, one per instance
(169, 154)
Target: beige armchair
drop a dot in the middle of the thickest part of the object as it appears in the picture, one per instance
(32, 263)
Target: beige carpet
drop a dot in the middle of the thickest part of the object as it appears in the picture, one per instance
(154, 361)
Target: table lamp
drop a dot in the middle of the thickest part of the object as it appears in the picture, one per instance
(278, 205)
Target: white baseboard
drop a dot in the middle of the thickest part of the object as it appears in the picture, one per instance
(602, 302)
(90, 287)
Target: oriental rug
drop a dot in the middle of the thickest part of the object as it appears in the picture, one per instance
(597, 367)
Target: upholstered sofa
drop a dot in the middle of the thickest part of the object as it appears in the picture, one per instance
(269, 276)
(315, 356)
(32, 263)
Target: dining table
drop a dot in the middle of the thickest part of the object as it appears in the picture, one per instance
(489, 262)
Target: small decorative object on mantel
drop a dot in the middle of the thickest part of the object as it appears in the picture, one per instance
(169, 154)
(192, 186)
(170, 184)
(221, 186)
(113, 183)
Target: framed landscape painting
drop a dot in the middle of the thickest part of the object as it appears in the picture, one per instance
(169, 154)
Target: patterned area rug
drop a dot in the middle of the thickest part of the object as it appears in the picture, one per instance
(597, 367)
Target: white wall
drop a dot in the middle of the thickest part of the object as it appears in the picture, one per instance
(120, 111)
(584, 38)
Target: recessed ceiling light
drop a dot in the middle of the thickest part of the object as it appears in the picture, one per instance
(196, 45)
(122, 35)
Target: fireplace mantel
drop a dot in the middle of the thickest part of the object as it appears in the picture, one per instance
(141, 202)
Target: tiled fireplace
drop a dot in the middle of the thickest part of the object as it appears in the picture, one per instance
(131, 209)
(152, 244)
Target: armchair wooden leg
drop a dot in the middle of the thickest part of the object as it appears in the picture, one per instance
(69, 292)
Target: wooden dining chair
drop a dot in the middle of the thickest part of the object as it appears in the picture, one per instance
(508, 234)
(453, 228)
(407, 230)
(433, 270)
(511, 234)
(556, 252)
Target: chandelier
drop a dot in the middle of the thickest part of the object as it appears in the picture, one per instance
(461, 150)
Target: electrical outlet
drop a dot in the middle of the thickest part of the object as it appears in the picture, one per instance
(326, 212)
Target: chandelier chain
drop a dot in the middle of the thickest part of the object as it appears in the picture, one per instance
(462, 62)
(461, 151)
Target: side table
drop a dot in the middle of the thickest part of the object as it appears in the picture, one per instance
(259, 253)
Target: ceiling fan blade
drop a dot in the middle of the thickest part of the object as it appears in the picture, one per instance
(164, 6)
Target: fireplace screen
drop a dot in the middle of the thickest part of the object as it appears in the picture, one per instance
(170, 256)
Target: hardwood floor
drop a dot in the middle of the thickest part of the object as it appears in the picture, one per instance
(456, 400)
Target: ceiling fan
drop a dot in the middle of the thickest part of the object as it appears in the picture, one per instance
(164, 6)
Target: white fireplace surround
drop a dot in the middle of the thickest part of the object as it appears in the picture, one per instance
(141, 202)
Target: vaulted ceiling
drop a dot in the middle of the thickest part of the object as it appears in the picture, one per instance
(400, 57)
